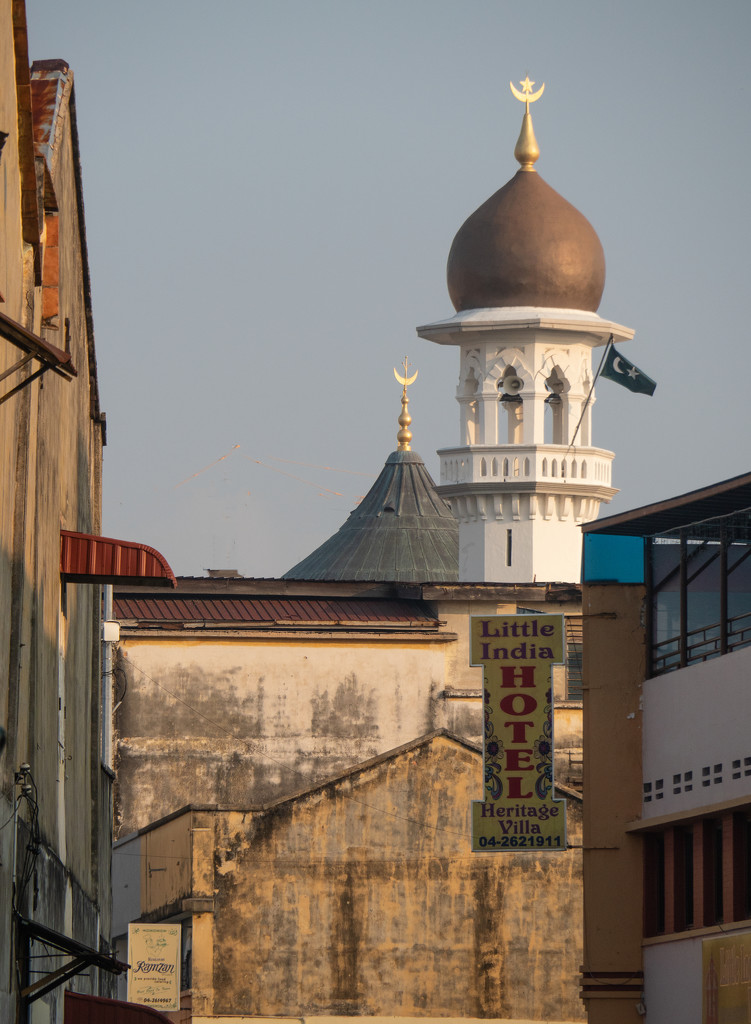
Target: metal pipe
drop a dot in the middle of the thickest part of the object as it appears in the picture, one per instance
(684, 600)
(723, 589)
(649, 611)
(107, 681)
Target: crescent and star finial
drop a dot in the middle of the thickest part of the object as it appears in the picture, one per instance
(527, 150)
(404, 436)
(526, 95)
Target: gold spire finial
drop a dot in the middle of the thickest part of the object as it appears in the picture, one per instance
(405, 435)
(526, 150)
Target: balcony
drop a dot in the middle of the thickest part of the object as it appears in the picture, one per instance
(507, 464)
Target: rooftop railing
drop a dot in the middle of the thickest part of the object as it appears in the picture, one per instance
(701, 644)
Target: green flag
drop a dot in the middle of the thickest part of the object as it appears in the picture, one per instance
(625, 373)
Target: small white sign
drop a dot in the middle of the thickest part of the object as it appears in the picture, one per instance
(154, 958)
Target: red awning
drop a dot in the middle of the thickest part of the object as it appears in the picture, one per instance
(81, 1009)
(85, 558)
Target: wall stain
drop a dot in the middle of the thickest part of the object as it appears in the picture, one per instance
(344, 945)
(350, 714)
(487, 919)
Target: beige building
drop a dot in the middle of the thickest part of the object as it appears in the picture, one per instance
(55, 779)
(333, 732)
(55, 794)
(230, 690)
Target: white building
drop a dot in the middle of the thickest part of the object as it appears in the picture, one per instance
(667, 781)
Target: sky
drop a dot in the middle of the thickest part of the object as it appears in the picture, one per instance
(271, 190)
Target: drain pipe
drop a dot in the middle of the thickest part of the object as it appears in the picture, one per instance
(110, 636)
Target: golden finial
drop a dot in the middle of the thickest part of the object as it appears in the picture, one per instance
(526, 150)
(405, 435)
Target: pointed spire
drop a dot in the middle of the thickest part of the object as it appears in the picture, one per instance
(405, 434)
(526, 150)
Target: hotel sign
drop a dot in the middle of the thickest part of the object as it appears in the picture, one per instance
(517, 654)
(154, 957)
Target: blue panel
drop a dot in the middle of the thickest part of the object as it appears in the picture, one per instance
(612, 559)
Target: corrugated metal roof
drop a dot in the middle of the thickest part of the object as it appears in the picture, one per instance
(720, 499)
(239, 611)
(85, 558)
(401, 531)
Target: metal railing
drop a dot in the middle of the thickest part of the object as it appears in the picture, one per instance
(701, 644)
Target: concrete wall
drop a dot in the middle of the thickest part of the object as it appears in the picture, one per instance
(50, 478)
(694, 729)
(614, 669)
(11, 288)
(673, 982)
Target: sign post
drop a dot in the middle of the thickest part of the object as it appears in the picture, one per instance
(517, 654)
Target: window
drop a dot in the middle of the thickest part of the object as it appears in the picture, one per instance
(700, 591)
(574, 651)
(698, 874)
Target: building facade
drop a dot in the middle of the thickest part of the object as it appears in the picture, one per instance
(360, 897)
(56, 772)
(56, 795)
(667, 827)
(335, 731)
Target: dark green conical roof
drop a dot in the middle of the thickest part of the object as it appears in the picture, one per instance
(401, 531)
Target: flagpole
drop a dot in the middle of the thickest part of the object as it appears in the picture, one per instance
(586, 403)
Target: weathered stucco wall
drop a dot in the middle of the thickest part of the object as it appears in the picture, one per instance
(363, 898)
(360, 897)
(11, 288)
(245, 720)
(59, 625)
(50, 477)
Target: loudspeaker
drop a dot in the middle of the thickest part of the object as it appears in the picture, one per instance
(511, 385)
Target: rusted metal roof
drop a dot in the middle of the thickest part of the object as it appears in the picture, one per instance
(51, 85)
(239, 612)
(83, 1009)
(48, 80)
(85, 558)
(401, 531)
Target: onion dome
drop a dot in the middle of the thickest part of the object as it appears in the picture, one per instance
(526, 245)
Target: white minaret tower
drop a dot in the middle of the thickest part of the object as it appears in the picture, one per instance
(525, 273)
